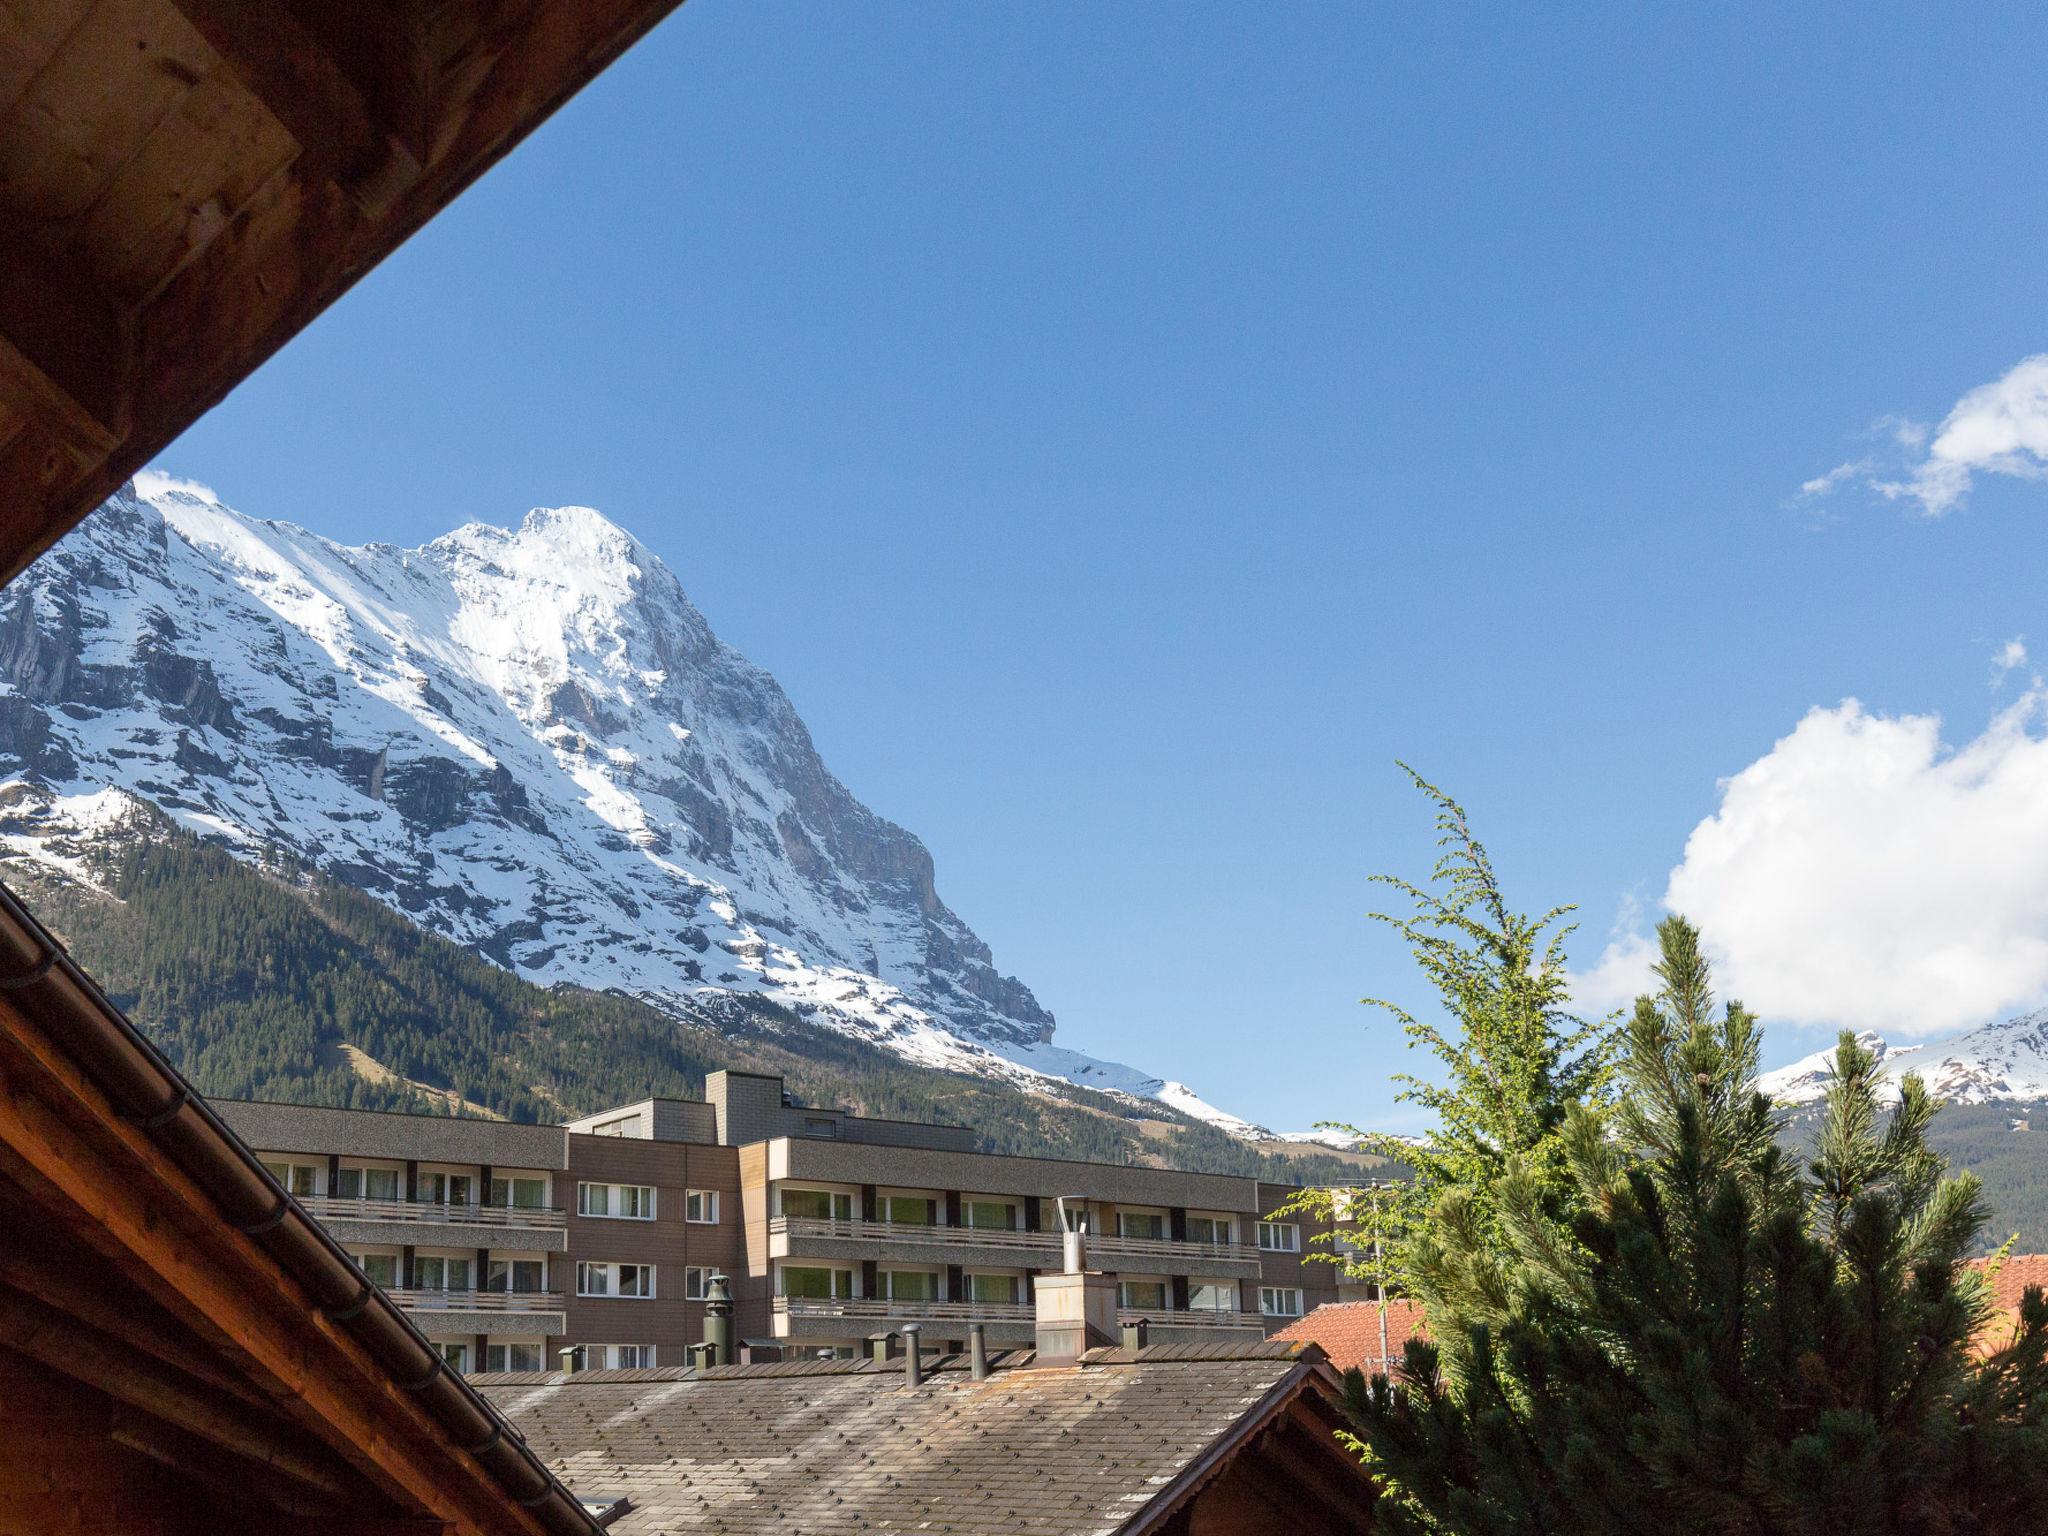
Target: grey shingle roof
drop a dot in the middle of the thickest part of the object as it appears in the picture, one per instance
(834, 1448)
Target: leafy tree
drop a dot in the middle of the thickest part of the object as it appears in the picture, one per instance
(1513, 1064)
(1729, 1343)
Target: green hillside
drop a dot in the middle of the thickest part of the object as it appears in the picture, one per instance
(254, 980)
(2005, 1143)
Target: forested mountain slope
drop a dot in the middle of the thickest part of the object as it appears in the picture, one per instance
(274, 982)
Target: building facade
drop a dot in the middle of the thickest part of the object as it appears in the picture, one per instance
(513, 1244)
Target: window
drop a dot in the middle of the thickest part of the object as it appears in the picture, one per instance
(512, 1357)
(701, 1205)
(910, 1210)
(1279, 1237)
(1209, 1229)
(622, 1202)
(457, 1356)
(822, 1127)
(432, 1273)
(1279, 1301)
(521, 1194)
(297, 1178)
(381, 1268)
(634, 1280)
(696, 1283)
(993, 1290)
(517, 1275)
(618, 1357)
(625, 1125)
(817, 1205)
(1143, 1295)
(1212, 1296)
(823, 1284)
(1145, 1224)
(367, 1184)
(910, 1284)
(999, 1214)
(446, 1188)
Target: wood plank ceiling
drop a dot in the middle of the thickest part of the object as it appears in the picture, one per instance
(185, 184)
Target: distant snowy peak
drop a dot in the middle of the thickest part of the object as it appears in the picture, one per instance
(528, 740)
(2003, 1060)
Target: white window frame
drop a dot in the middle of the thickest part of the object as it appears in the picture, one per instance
(697, 1282)
(1123, 1296)
(1159, 1218)
(504, 1347)
(885, 1282)
(1018, 1291)
(852, 1274)
(622, 1125)
(397, 1262)
(1272, 1233)
(286, 1172)
(696, 1203)
(612, 1357)
(456, 1354)
(1227, 1288)
(1269, 1294)
(614, 1273)
(1225, 1228)
(969, 1202)
(837, 1200)
(511, 1182)
(614, 1201)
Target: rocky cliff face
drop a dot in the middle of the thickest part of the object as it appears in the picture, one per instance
(528, 740)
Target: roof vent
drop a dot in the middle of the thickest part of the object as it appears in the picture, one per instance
(913, 1357)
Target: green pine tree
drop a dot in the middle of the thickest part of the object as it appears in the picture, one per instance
(1728, 1343)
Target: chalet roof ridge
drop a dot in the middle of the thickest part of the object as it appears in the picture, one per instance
(1301, 1351)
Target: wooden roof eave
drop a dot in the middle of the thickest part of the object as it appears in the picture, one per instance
(80, 1081)
(354, 125)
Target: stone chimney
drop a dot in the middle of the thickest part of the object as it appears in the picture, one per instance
(1076, 1309)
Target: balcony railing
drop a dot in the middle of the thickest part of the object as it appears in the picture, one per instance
(1191, 1317)
(1030, 1245)
(546, 1218)
(476, 1301)
(910, 1311)
(881, 1310)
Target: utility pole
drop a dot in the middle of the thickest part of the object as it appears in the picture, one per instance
(1379, 1278)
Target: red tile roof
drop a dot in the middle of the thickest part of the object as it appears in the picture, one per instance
(1349, 1331)
(2012, 1276)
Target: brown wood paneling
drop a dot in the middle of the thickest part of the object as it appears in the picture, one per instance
(62, 1471)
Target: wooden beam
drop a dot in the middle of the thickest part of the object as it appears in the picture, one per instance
(491, 73)
(64, 358)
(332, 106)
(60, 1282)
(68, 1148)
(246, 1485)
(29, 1327)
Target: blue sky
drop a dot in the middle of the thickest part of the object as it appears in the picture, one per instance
(1124, 440)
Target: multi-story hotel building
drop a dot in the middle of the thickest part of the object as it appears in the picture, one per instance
(512, 1243)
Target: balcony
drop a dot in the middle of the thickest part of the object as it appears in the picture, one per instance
(801, 1236)
(819, 1317)
(437, 1224)
(462, 1314)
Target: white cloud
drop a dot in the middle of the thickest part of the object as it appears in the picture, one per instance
(2009, 657)
(1863, 874)
(1619, 977)
(153, 482)
(2000, 428)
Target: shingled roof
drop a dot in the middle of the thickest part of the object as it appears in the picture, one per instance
(1117, 1444)
(1349, 1331)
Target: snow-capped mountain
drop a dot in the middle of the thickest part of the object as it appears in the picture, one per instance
(527, 740)
(2004, 1060)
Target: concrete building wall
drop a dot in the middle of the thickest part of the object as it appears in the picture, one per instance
(982, 1173)
(322, 1132)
